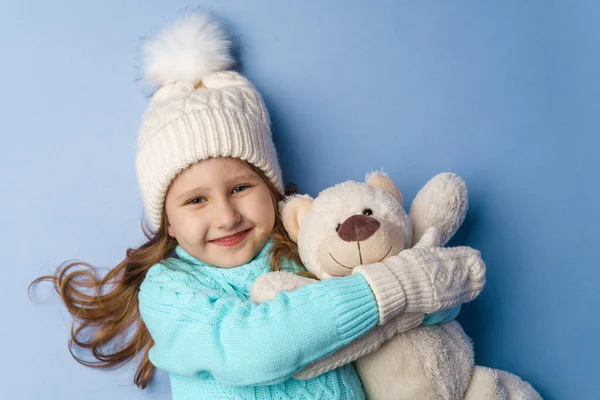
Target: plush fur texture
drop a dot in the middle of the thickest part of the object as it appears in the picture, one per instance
(431, 362)
(489, 383)
(188, 50)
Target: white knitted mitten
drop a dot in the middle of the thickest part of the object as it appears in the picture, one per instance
(425, 279)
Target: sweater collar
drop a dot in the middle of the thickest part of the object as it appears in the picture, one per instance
(240, 277)
(184, 255)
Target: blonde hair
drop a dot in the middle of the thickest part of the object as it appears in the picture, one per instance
(114, 314)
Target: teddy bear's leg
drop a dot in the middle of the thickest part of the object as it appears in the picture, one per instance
(516, 388)
(426, 363)
(494, 384)
(485, 385)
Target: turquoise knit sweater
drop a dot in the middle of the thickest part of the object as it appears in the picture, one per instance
(216, 344)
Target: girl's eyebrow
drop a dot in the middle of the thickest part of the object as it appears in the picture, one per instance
(231, 179)
(189, 192)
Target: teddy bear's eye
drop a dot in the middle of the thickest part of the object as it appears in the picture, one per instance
(337, 228)
(367, 211)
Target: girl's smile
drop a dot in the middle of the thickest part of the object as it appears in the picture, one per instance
(232, 240)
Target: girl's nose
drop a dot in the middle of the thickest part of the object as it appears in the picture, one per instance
(227, 216)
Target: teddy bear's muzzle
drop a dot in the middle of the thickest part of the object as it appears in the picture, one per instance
(358, 228)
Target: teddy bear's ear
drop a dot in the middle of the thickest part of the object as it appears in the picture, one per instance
(379, 179)
(292, 209)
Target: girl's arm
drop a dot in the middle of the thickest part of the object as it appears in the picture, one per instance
(362, 346)
(374, 339)
(243, 343)
(445, 269)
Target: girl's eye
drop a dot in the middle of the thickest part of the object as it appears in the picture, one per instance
(367, 211)
(240, 188)
(196, 200)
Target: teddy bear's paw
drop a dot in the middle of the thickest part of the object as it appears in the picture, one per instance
(431, 238)
(267, 286)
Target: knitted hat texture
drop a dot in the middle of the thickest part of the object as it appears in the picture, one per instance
(200, 110)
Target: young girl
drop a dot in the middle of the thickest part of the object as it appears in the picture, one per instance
(210, 181)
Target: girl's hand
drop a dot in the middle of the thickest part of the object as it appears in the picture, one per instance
(425, 279)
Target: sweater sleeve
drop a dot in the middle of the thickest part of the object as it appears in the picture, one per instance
(204, 330)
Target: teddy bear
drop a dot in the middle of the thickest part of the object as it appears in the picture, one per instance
(354, 224)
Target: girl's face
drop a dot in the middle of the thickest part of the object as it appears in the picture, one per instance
(220, 211)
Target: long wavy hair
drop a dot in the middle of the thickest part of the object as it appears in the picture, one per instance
(111, 311)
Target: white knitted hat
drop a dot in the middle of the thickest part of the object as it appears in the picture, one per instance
(200, 110)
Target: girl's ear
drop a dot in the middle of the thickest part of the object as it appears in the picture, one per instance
(379, 179)
(292, 209)
(170, 231)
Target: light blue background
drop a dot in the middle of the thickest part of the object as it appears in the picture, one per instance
(506, 94)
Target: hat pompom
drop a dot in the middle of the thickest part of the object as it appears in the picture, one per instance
(189, 49)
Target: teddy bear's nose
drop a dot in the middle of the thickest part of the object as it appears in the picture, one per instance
(357, 228)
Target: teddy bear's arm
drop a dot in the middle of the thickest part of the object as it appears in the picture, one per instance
(266, 286)
(364, 345)
(441, 203)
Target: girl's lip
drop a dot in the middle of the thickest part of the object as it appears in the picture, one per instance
(231, 240)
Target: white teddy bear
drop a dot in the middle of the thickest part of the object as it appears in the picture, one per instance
(352, 225)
